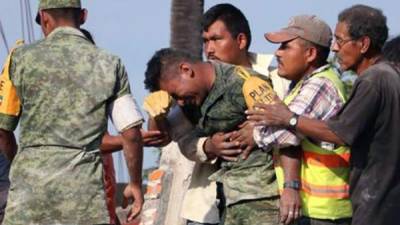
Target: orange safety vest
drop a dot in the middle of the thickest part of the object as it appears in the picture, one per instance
(324, 173)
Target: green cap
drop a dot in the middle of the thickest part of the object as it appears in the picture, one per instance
(57, 4)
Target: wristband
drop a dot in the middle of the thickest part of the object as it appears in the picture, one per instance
(294, 184)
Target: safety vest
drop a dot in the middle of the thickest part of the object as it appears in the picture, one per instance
(9, 101)
(324, 173)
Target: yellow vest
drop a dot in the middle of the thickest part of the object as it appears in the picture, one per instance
(9, 100)
(324, 173)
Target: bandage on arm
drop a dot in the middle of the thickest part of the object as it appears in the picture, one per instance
(125, 113)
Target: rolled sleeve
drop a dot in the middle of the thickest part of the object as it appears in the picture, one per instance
(317, 99)
(125, 113)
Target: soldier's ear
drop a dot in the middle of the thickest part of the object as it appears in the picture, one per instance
(186, 70)
(83, 16)
(242, 41)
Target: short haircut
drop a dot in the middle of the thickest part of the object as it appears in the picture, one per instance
(322, 52)
(364, 20)
(71, 14)
(232, 17)
(391, 51)
(163, 60)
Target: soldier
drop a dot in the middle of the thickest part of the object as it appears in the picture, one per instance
(249, 185)
(66, 87)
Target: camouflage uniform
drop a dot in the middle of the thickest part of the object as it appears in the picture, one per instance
(65, 85)
(247, 184)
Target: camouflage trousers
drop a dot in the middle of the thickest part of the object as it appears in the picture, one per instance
(56, 185)
(253, 212)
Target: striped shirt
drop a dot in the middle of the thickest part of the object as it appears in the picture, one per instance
(318, 98)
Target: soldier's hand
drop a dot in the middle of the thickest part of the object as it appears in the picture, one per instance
(245, 137)
(290, 206)
(155, 138)
(277, 114)
(220, 145)
(133, 192)
(157, 103)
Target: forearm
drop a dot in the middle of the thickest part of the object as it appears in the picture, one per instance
(318, 130)
(8, 145)
(290, 159)
(191, 147)
(160, 124)
(133, 152)
(111, 143)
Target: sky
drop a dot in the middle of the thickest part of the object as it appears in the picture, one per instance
(134, 30)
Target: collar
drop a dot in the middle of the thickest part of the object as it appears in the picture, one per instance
(67, 31)
(319, 70)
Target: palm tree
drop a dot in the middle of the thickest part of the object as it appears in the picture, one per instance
(186, 25)
(185, 35)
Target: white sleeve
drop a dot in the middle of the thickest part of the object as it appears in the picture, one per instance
(125, 113)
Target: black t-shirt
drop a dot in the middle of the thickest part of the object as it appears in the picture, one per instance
(369, 123)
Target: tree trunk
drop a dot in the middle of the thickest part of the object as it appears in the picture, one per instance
(186, 25)
(185, 35)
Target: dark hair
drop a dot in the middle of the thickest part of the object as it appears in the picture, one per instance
(322, 51)
(72, 14)
(232, 17)
(391, 51)
(364, 20)
(161, 62)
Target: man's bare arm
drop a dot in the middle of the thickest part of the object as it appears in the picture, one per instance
(290, 203)
(133, 152)
(8, 145)
(317, 129)
(110, 144)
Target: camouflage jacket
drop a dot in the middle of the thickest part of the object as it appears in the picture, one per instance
(65, 85)
(223, 111)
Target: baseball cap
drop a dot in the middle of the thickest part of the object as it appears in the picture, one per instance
(308, 27)
(57, 4)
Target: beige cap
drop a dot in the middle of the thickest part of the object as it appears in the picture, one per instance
(308, 27)
(56, 4)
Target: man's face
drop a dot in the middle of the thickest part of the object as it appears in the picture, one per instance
(347, 50)
(186, 90)
(291, 57)
(220, 45)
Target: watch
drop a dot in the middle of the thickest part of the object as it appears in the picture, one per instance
(294, 184)
(293, 121)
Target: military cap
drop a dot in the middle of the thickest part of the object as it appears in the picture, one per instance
(57, 4)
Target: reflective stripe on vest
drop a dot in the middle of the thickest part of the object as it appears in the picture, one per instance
(324, 173)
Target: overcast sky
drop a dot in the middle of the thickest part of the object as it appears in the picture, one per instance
(134, 30)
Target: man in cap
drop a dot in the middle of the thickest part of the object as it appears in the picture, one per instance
(368, 123)
(318, 172)
(66, 87)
